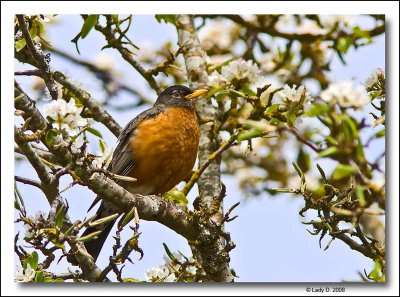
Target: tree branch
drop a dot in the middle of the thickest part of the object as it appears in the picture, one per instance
(210, 254)
(41, 60)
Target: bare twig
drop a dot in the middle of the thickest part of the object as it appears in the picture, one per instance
(27, 181)
(41, 59)
(211, 158)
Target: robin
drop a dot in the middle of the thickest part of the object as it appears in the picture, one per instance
(158, 148)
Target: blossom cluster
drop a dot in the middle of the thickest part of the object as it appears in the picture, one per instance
(40, 216)
(345, 95)
(220, 34)
(237, 71)
(166, 273)
(65, 116)
(26, 275)
(294, 94)
(103, 159)
(160, 273)
(376, 83)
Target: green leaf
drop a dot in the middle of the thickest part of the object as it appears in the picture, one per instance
(57, 244)
(361, 33)
(317, 110)
(60, 216)
(330, 140)
(375, 94)
(249, 91)
(94, 132)
(102, 146)
(343, 171)
(170, 255)
(32, 260)
(333, 150)
(132, 280)
(349, 129)
(168, 18)
(344, 44)
(33, 31)
(40, 27)
(218, 68)
(89, 23)
(176, 195)
(360, 195)
(376, 273)
(50, 280)
(236, 94)
(39, 276)
(221, 96)
(216, 89)
(249, 134)
(291, 117)
(380, 133)
(271, 109)
(321, 171)
(304, 160)
(50, 135)
(20, 44)
(104, 220)
(129, 216)
(91, 236)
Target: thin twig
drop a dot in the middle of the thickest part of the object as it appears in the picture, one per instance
(28, 181)
(41, 60)
(211, 158)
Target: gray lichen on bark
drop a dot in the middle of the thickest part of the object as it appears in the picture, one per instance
(211, 255)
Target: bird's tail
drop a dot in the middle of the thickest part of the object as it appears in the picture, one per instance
(94, 246)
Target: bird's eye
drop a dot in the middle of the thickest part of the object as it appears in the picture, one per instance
(176, 94)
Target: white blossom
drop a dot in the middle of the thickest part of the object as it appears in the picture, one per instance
(240, 70)
(295, 95)
(214, 79)
(217, 60)
(374, 77)
(25, 276)
(344, 94)
(268, 61)
(29, 231)
(47, 18)
(66, 116)
(40, 214)
(146, 52)
(176, 255)
(170, 278)
(284, 74)
(191, 269)
(218, 33)
(156, 273)
(310, 27)
(104, 61)
(321, 51)
(104, 159)
(329, 21)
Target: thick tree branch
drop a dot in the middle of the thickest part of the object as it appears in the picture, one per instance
(210, 254)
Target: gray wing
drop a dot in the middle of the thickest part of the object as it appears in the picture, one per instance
(122, 162)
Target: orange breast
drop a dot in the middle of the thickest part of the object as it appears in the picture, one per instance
(164, 150)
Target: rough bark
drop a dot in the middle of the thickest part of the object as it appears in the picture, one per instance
(210, 253)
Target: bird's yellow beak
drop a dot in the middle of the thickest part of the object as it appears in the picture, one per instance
(196, 94)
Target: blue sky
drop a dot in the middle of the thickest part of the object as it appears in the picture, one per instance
(272, 243)
(263, 252)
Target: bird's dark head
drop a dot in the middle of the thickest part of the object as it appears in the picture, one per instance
(179, 96)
